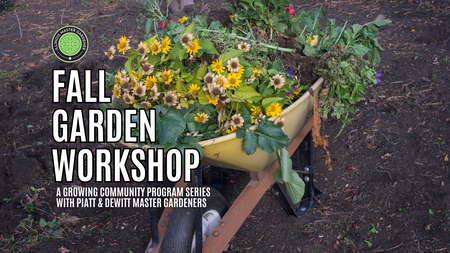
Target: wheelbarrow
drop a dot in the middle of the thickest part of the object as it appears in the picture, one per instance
(210, 229)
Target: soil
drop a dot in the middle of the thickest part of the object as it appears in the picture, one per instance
(389, 186)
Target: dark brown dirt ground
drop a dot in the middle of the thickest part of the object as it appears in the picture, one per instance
(389, 167)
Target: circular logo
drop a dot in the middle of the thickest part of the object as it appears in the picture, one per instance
(70, 44)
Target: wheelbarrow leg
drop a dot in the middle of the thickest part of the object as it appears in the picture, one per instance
(198, 223)
(302, 162)
(153, 222)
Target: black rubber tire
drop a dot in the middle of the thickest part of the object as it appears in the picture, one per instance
(180, 231)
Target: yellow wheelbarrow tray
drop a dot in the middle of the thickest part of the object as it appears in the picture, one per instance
(228, 151)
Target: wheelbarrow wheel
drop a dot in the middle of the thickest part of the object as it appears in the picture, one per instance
(180, 232)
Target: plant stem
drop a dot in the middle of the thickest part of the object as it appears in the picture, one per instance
(342, 128)
(343, 28)
(259, 43)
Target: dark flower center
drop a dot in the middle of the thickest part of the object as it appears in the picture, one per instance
(280, 124)
(234, 65)
(185, 39)
(220, 82)
(169, 99)
(126, 85)
(146, 67)
(164, 77)
(167, 86)
(237, 121)
(259, 119)
(141, 50)
(209, 79)
(216, 92)
(154, 48)
(223, 98)
(277, 81)
(139, 90)
(243, 46)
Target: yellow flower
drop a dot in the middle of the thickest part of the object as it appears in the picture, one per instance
(154, 94)
(215, 90)
(256, 72)
(193, 47)
(110, 53)
(241, 70)
(142, 48)
(123, 45)
(165, 45)
(146, 103)
(273, 110)
(193, 88)
(140, 90)
(150, 82)
(221, 80)
(202, 117)
(155, 47)
(128, 99)
(311, 41)
(166, 77)
(234, 80)
(256, 110)
(297, 91)
(116, 91)
(212, 100)
(182, 20)
(217, 66)
(231, 130)
(233, 65)
(186, 39)
(244, 46)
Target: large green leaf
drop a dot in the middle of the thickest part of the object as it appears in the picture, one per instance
(374, 56)
(271, 137)
(268, 101)
(207, 47)
(128, 66)
(295, 187)
(190, 28)
(250, 142)
(202, 98)
(247, 118)
(170, 125)
(285, 163)
(246, 92)
(231, 54)
(201, 71)
(181, 87)
(360, 49)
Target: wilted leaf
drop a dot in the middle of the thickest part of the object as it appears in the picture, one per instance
(71, 220)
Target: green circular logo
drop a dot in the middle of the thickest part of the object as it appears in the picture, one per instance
(70, 44)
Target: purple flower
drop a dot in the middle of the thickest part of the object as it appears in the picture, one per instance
(292, 88)
(378, 75)
(254, 33)
(289, 71)
(378, 80)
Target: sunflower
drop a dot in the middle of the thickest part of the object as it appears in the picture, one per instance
(297, 90)
(211, 99)
(217, 66)
(110, 53)
(280, 122)
(233, 65)
(260, 118)
(234, 80)
(155, 47)
(147, 68)
(193, 88)
(170, 98)
(193, 47)
(224, 99)
(150, 82)
(116, 91)
(146, 103)
(142, 48)
(277, 81)
(165, 45)
(202, 117)
(154, 94)
(221, 80)
(125, 83)
(250, 79)
(256, 72)
(244, 46)
(186, 39)
(166, 77)
(140, 90)
(231, 130)
(123, 45)
(215, 90)
(256, 110)
(241, 70)
(209, 79)
(237, 120)
(273, 110)
(128, 99)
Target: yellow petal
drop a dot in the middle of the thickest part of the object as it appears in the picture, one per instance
(314, 41)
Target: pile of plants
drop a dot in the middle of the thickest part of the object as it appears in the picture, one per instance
(206, 81)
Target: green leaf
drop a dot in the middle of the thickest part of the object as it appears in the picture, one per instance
(360, 49)
(430, 212)
(148, 25)
(181, 87)
(190, 28)
(247, 118)
(369, 244)
(268, 101)
(202, 98)
(170, 125)
(128, 67)
(285, 162)
(250, 142)
(271, 137)
(309, 50)
(277, 65)
(295, 188)
(277, 176)
(56, 233)
(184, 103)
(201, 71)
(149, 41)
(246, 92)
(207, 47)
(42, 222)
(231, 54)
(374, 56)
(240, 132)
